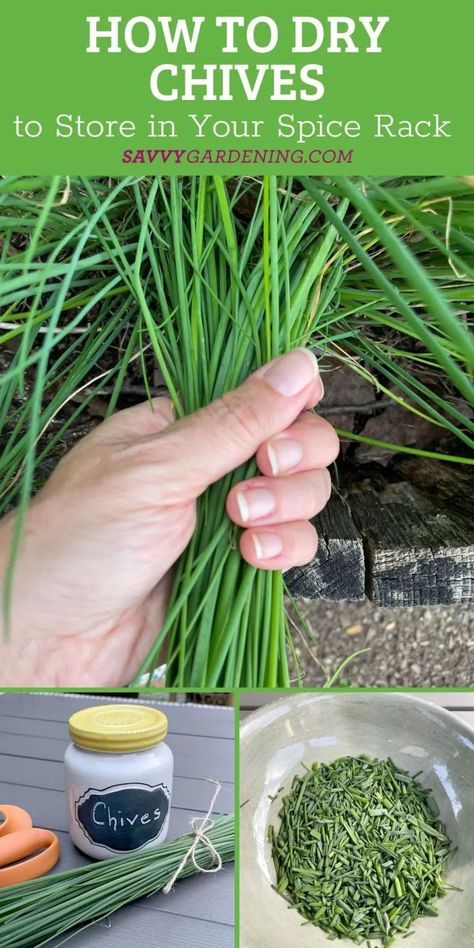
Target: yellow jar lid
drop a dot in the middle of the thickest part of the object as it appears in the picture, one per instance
(118, 727)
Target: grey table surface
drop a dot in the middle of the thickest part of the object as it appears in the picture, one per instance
(33, 738)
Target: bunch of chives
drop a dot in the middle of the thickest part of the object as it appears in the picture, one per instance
(360, 851)
(34, 913)
(230, 295)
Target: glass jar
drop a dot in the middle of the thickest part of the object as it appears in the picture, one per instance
(119, 775)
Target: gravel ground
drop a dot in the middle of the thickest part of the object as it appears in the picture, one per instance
(431, 647)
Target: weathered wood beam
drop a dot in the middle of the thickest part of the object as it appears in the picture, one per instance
(416, 554)
(404, 536)
(338, 571)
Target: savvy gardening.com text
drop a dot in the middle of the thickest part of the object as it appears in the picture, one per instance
(232, 156)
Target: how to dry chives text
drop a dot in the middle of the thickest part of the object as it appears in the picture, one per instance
(237, 36)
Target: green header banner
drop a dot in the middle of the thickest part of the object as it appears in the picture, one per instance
(145, 87)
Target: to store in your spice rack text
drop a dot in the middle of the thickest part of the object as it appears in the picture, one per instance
(285, 126)
(235, 36)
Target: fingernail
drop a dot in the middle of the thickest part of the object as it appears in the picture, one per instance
(292, 372)
(255, 503)
(327, 478)
(284, 454)
(267, 545)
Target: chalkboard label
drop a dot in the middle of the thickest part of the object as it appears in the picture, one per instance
(123, 818)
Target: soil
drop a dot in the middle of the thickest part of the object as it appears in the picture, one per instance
(411, 647)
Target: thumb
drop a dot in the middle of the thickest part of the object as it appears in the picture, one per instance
(207, 445)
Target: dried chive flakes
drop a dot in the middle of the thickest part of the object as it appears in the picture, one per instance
(360, 851)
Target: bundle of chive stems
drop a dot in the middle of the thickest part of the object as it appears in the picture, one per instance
(230, 299)
(34, 913)
(209, 278)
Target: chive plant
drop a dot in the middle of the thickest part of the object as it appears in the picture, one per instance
(360, 851)
(206, 279)
(36, 913)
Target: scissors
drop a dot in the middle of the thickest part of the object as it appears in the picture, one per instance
(19, 840)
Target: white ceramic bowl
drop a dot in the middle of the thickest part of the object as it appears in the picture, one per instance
(312, 726)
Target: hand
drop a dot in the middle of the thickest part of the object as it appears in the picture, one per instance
(93, 571)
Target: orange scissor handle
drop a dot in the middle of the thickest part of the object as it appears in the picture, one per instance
(15, 819)
(25, 852)
(21, 845)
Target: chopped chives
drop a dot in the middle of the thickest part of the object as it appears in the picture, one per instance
(360, 865)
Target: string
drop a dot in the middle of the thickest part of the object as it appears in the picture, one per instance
(200, 827)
